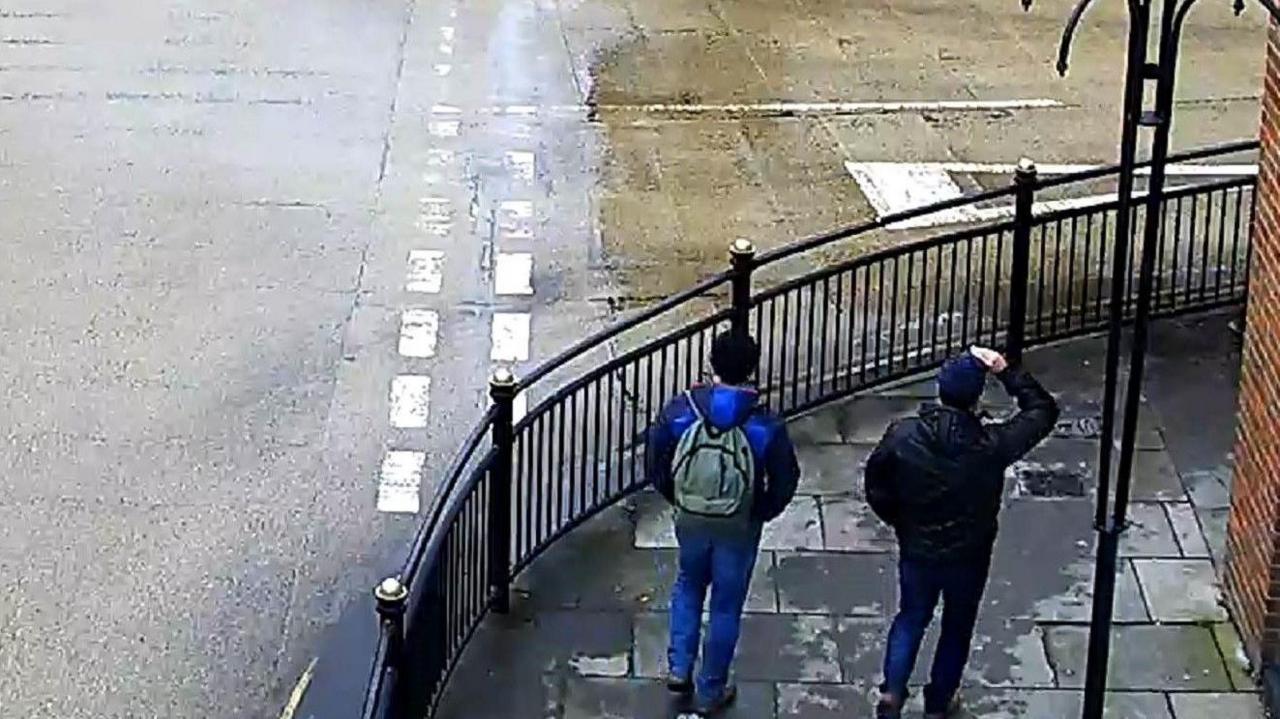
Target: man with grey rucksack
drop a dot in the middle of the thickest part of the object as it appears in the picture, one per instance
(727, 466)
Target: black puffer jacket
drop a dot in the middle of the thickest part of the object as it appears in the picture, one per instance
(937, 478)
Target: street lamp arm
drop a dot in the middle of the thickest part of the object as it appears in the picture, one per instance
(1184, 8)
(1268, 5)
(1069, 34)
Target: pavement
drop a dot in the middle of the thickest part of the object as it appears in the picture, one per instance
(587, 635)
(262, 257)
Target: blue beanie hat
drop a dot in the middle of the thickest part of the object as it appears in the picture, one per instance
(961, 381)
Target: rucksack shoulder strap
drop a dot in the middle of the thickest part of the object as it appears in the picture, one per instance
(697, 411)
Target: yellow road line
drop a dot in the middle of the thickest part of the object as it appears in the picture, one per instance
(299, 690)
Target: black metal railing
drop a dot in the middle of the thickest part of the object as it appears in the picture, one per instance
(519, 485)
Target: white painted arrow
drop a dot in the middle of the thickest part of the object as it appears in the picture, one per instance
(894, 187)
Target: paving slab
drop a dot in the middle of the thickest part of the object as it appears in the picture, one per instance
(596, 568)
(832, 469)
(1004, 653)
(1213, 522)
(798, 527)
(1149, 533)
(865, 419)
(1143, 657)
(788, 647)
(1154, 476)
(1052, 704)
(1219, 706)
(1233, 653)
(849, 525)
(825, 701)
(816, 428)
(1209, 488)
(531, 656)
(1186, 527)
(647, 699)
(1043, 565)
(1185, 590)
(838, 584)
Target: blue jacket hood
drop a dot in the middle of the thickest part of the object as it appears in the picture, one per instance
(725, 406)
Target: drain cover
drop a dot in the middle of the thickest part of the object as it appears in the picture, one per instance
(1033, 479)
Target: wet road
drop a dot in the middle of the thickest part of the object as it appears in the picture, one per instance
(260, 259)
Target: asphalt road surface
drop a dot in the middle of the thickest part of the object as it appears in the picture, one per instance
(259, 258)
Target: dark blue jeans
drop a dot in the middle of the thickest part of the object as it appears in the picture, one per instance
(724, 565)
(920, 584)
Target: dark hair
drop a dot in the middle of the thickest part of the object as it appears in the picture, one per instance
(735, 357)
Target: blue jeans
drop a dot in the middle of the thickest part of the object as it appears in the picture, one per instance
(725, 565)
(920, 584)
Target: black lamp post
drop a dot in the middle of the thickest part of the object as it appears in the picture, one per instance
(1111, 516)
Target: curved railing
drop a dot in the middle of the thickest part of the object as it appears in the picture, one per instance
(1041, 273)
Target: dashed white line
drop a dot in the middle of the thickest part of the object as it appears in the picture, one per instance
(426, 271)
(445, 110)
(400, 481)
(510, 337)
(419, 330)
(447, 33)
(410, 401)
(515, 219)
(446, 48)
(444, 128)
(443, 69)
(513, 273)
(436, 209)
(521, 164)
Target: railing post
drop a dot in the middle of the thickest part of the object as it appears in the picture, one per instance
(1024, 182)
(742, 259)
(502, 389)
(390, 595)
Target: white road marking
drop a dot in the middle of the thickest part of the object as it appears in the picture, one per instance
(419, 329)
(525, 110)
(447, 33)
(444, 128)
(426, 271)
(446, 48)
(1178, 170)
(893, 187)
(442, 69)
(436, 209)
(400, 481)
(513, 273)
(519, 209)
(510, 337)
(445, 109)
(410, 401)
(515, 219)
(521, 164)
(807, 108)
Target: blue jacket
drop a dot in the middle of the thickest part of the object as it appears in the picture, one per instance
(777, 471)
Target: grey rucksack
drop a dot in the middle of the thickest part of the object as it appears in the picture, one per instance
(713, 469)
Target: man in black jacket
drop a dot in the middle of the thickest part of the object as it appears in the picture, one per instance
(937, 479)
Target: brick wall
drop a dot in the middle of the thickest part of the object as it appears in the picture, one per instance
(1253, 533)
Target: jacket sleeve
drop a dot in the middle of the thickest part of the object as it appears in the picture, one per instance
(878, 477)
(782, 471)
(659, 449)
(1037, 414)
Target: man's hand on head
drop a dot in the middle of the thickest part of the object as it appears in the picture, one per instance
(991, 359)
